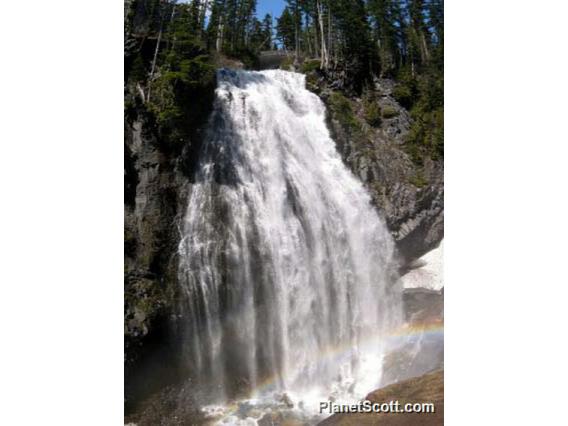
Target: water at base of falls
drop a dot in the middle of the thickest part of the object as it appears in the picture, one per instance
(287, 271)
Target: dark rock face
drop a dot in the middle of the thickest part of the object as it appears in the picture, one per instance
(410, 197)
(157, 184)
(151, 205)
(171, 406)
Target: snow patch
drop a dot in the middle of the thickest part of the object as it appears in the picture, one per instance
(431, 274)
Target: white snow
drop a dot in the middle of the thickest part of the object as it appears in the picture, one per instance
(431, 274)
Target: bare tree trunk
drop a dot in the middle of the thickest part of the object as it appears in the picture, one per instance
(308, 45)
(412, 66)
(425, 52)
(324, 57)
(141, 92)
(169, 26)
(297, 37)
(329, 44)
(381, 64)
(316, 35)
(153, 69)
(219, 40)
(312, 36)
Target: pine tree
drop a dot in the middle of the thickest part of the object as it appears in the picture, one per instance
(285, 30)
(215, 31)
(294, 7)
(436, 15)
(267, 32)
(418, 35)
(383, 15)
(354, 40)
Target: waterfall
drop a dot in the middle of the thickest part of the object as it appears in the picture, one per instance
(287, 271)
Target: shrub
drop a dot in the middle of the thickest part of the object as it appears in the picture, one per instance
(389, 112)
(342, 111)
(138, 71)
(248, 57)
(403, 94)
(310, 65)
(312, 83)
(181, 97)
(372, 113)
(287, 63)
(418, 180)
(426, 135)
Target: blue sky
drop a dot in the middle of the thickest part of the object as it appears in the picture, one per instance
(274, 7)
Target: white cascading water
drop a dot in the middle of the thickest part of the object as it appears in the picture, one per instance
(287, 269)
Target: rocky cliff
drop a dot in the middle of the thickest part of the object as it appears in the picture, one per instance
(157, 176)
(370, 133)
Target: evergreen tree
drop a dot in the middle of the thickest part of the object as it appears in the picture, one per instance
(354, 40)
(285, 30)
(267, 32)
(257, 35)
(436, 15)
(383, 13)
(214, 31)
(167, 46)
(418, 34)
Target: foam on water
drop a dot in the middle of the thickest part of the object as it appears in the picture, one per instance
(287, 270)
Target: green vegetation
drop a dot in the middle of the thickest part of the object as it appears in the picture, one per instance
(402, 40)
(138, 71)
(287, 63)
(418, 180)
(426, 136)
(389, 112)
(342, 112)
(372, 111)
(406, 90)
(172, 50)
(310, 65)
(423, 95)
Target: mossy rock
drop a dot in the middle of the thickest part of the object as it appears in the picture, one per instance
(389, 112)
(182, 97)
(287, 64)
(426, 135)
(144, 300)
(342, 111)
(418, 180)
(310, 65)
(312, 82)
(372, 113)
(404, 95)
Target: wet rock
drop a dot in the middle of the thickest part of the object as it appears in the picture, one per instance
(423, 349)
(156, 190)
(423, 305)
(427, 388)
(172, 406)
(282, 418)
(286, 400)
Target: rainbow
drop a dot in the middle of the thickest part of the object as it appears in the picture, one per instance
(426, 329)
(435, 327)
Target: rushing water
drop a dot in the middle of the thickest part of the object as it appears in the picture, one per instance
(287, 269)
